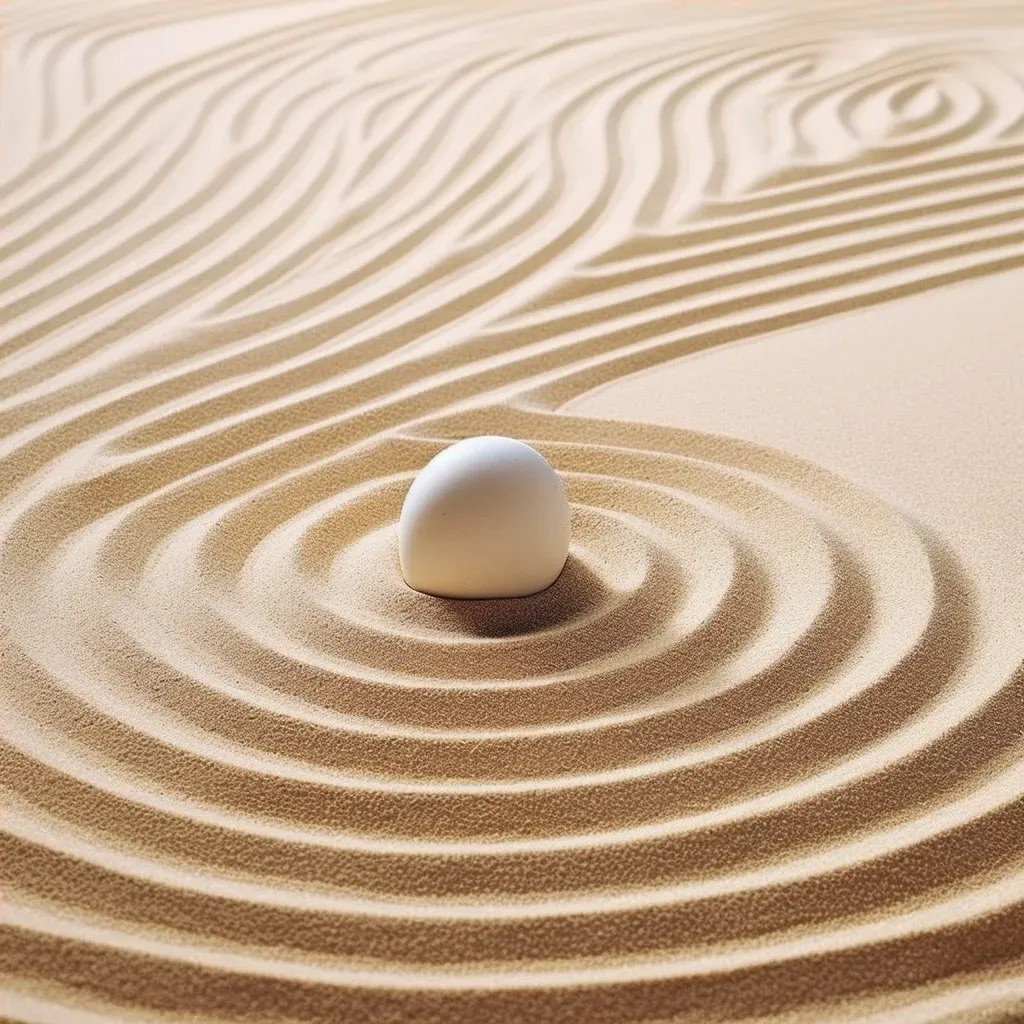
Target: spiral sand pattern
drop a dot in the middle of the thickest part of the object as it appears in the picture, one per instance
(259, 263)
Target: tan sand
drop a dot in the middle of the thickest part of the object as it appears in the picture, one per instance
(748, 274)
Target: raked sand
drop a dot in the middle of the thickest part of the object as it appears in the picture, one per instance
(749, 274)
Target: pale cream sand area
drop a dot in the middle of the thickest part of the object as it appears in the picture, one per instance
(920, 401)
(747, 274)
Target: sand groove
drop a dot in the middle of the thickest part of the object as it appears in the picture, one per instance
(745, 758)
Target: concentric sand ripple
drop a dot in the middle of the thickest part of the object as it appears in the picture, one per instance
(259, 262)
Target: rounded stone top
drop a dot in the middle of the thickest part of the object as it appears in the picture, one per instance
(485, 518)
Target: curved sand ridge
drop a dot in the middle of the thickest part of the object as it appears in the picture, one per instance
(254, 277)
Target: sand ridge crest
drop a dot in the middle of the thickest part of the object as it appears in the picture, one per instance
(258, 263)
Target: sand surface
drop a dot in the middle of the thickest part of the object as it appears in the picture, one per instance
(749, 274)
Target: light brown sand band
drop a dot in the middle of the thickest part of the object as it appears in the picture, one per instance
(748, 758)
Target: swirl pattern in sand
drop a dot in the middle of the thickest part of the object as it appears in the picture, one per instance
(259, 262)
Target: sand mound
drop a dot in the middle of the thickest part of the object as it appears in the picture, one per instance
(259, 263)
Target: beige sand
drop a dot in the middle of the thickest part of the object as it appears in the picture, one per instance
(747, 274)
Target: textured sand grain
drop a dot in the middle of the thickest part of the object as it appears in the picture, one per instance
(759, 752)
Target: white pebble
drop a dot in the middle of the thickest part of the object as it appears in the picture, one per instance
(487, 517)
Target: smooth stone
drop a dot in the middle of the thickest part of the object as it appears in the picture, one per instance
(485, 518)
